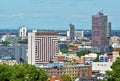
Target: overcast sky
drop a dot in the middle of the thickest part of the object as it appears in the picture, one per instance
(56, 14)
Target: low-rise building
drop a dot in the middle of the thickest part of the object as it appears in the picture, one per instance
(68, 68)
(101, 67)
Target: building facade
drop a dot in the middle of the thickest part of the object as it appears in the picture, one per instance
(99, 31)
(42, 47)
(71, 69)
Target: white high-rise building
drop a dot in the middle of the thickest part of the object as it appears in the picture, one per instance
(22, 31)
(42, 47)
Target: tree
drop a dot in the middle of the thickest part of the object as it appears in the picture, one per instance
(114, 75)
(97, 58)
(5, 42)
(64, 51)
(21, 72)
(5, 72)
(23, 42)
(65, 77)
(83, 52)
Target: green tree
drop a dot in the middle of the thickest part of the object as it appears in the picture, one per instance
(97, 58)
(65, 77)
(5, 72)
(114, 75)
(83, 52)
(64, 51)
(21, 72)
(5, 42)
(23, 42)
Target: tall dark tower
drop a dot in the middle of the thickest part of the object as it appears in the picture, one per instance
(71, 31)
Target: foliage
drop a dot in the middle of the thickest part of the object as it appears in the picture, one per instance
(65, 77)
(114, 75)
(5, 42)
(64, 51)
(83, 52)
(97, 59)
(21, 72)
(23, 42)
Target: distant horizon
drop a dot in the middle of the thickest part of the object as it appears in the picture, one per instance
(56, 14)
(57, 29)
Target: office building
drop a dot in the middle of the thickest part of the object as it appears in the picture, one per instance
(42, 47)
(99, 32)
(71, 31)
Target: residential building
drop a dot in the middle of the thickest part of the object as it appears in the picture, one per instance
(99, 32)
(42, 47)
(15, 52)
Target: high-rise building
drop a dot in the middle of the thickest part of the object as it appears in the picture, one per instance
(71, 31)
(99, 31)
(42, 47)
(22, 31)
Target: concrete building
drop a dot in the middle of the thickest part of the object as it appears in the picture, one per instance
(78, 34)
(15, 52)
(22, 32)
(99, 32)
(71, 31)
(42, 47)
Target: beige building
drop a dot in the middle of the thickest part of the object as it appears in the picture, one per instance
(115, 55)
(9, 62)
(114, 39)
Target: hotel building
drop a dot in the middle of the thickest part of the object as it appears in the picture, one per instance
(42, 47)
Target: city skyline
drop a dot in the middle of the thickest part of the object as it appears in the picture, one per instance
(56, 14)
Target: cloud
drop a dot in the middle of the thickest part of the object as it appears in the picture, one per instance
(78, 16)
(19, 15)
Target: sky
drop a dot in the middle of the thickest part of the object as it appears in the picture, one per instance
(56, 14)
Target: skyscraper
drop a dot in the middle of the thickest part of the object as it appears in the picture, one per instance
(99, 31)
(71, 31)
(42, 47)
